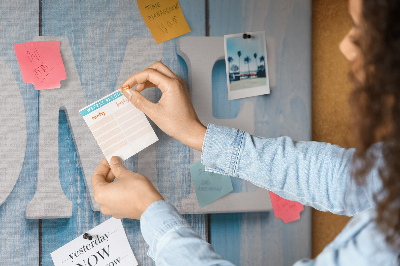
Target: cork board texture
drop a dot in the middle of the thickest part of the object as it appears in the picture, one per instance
(330, 97)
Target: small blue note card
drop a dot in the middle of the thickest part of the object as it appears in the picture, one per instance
(209, 186)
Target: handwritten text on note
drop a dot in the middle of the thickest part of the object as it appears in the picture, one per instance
(164, 18)
(209, 186)
(41, 63)
(118, 126)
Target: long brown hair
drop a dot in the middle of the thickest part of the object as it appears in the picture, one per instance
(375, 103)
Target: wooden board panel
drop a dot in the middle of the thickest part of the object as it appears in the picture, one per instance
(19, 238)
(259, 238)
(98, 33)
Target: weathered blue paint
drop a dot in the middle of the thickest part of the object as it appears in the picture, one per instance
(57, 232)
(222, 107)
(259, 238)
(19, 238)
(98, 33)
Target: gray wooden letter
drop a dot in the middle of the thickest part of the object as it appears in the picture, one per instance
(13, 133)
(49, 200)
(200, 54)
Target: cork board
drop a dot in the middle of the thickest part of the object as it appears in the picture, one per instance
(330, 97)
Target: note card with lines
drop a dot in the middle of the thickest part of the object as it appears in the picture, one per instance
(118, 126)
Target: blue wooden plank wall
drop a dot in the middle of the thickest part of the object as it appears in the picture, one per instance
(19, 243)
(259, 238)
(98, 32)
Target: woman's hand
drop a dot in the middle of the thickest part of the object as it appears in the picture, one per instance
(127, 197)
(174, 113)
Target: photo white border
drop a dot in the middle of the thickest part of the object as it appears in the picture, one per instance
(248, 92)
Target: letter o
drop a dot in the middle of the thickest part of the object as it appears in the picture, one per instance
(88, 260)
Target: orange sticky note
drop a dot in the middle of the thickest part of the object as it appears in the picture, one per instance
(164, 18)
(287, 210)
(41, 63)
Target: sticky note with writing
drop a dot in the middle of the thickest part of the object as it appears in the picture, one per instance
(108, 246)
(284, 209)
(41, 63)
(209, 186)
(164, 18)
(118, 126)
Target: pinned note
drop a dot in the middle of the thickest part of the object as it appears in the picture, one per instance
(209, 186)
(164, 18)
(107, 245)
(118, 126)
(287, 210)
(41, 63)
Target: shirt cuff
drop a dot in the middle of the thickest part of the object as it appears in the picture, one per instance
(158, 219)
(221, 151)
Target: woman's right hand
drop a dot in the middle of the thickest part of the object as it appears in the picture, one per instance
(173, 113)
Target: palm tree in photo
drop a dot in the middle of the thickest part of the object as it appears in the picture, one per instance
(262, 69)
(255, 60)
(239, 53)
(230, 60)
(262, 59)
(247, 60)
(234, 68)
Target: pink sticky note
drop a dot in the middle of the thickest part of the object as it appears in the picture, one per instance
(41, 63)
(284, 209)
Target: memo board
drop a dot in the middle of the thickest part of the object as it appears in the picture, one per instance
(49, 200)
(200, 55)
(99, 51)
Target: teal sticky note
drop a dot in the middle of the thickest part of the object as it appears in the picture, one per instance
(209, 186)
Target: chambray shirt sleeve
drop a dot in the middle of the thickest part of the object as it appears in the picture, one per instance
(172, 241)
(312, 173)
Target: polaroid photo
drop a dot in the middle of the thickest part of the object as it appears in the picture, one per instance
(246, 64)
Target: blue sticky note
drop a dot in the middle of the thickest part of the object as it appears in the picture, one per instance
(209, 186)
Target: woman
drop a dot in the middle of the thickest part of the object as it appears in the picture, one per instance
(362, 182)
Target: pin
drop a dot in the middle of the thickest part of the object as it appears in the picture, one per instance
(246, 36)
(87, 236)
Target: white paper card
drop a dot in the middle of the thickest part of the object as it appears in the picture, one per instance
(118, 126)
(109, 246)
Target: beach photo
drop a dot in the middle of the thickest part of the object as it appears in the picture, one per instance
(246, 65)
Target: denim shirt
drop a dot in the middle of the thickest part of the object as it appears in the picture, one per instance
(312, 173)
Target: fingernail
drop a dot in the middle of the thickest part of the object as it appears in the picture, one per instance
(128, 93)
(115, 160)
(124, 88)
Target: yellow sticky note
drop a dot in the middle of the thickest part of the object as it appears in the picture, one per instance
(164, 18)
